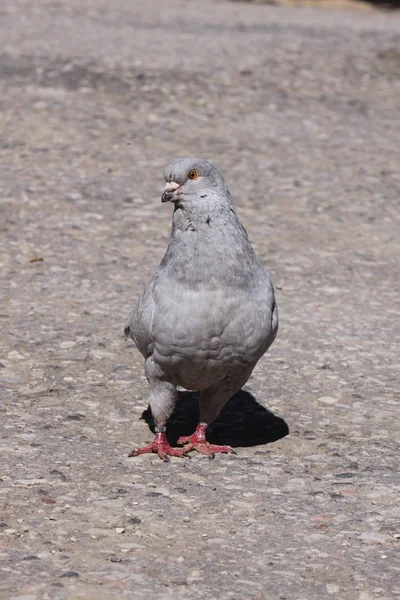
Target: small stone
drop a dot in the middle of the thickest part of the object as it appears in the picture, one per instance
(74, 196)
(316, 457)
(194, 576)
(76, 417)
(114, 558)
(373, 536)
(69, 344)
(178, 581)
(186, 519)
(70, 574)
(119, 530)
(60, 474)
(162, 490)
(327, 400)
(332, 588)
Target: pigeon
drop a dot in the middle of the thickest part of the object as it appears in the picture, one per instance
(208, 314)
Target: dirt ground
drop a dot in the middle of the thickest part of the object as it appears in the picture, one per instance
(300, 110)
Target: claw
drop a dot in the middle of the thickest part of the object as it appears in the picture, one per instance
(197, 441)
(161, 446)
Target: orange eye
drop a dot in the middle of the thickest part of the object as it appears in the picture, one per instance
(193, 174)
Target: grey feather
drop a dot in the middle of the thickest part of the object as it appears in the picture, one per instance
(209, 313)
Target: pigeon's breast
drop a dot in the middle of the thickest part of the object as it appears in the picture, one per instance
(202, 336)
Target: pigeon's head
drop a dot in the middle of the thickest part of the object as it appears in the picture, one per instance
(193, 181)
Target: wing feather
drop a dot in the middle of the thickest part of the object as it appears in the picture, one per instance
(140, 321)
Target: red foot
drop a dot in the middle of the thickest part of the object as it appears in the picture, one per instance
(161, 446)
(197, 441)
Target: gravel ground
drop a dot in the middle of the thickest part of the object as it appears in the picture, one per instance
(300, 110)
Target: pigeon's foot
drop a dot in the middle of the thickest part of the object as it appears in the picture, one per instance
(197, 441)
(161, 446)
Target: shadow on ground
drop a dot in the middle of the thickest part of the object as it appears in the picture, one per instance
(242, 422)
(383, 4)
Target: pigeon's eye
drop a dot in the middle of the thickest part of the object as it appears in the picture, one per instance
(193, 174)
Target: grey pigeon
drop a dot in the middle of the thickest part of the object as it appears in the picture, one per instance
(209, 313)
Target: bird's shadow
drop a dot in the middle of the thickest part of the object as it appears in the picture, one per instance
(242, 421)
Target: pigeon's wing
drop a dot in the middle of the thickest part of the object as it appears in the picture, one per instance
(139, 324)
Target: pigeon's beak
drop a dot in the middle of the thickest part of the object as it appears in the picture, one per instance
(169, 191)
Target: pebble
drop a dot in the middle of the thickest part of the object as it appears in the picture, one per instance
(114, 558)
(327, 400)
(373, 536)
(119, 530)
(162, 490)
(74, 196)
(69, 344)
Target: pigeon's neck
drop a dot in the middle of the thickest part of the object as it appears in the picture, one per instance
(210, 221)
(185, 219)
(206, 248)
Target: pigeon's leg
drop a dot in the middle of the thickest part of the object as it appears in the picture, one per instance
(162, 402)
(212, 400)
